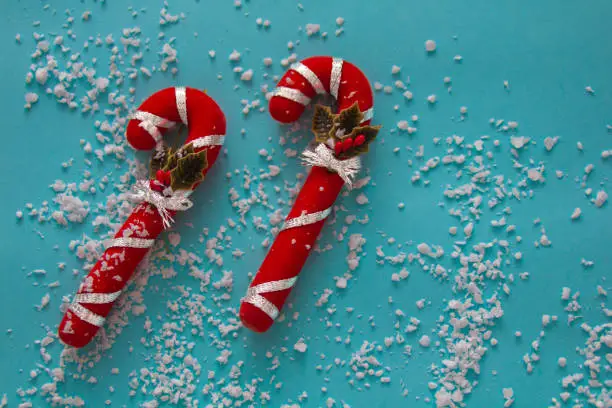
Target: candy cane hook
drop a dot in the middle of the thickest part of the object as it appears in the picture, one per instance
(158, 203)
(279, 271)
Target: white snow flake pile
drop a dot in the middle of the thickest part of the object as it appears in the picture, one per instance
(178, 317)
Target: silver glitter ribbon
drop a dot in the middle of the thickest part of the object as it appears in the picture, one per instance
(336, 74)
(96, 298)
(181, 103)
(87, 315)
(127, 242)
(309, 76)
(176, 202)
(151, 123)
(306, 219)
(152, 119)
(292, 94)
(322, 156)
(211, 140)
(254, 297)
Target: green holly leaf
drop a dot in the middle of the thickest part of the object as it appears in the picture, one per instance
(159, 160)
(180, 153)
(322, 123)
(346, 121)
(188, 171)
(370, 133)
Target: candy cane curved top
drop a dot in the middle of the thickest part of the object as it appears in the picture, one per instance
(107, 279)
(172, 106)
(320, 75)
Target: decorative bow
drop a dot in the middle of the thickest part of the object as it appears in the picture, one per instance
(178, 201)
(322, 156)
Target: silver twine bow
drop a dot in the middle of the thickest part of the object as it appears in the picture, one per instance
(322, 156)
(178, 201)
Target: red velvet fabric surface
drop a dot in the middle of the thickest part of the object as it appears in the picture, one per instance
(291, 248)
(116, 265)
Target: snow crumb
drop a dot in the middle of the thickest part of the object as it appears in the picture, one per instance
(550, 142)
(425, 341)
(519, 141)
(312, 29)
(30, 98)
(600, 198)
(234, 56)
(247, 75)
(430, 45)
(300, 346)
(362, 199)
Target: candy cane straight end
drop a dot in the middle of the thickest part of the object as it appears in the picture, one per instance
(254, 319)
(284, 110)
(161, 197)
(70, 338)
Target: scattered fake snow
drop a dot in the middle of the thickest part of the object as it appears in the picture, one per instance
(463, 335)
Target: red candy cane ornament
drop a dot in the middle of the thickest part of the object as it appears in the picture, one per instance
(160, 198)
(331, 169)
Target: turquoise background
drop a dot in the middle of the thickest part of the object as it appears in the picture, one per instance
(549, 51)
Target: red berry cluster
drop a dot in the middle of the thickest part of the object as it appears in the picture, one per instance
(345, 144)
(161, 182)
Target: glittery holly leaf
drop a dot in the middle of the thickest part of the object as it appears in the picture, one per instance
(188, 171)
(359, 145)
(346, 121)
(173, 159)
(159, 160)
(322, 123)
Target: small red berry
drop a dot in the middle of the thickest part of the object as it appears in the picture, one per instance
(359, 140)
(156, 186)
(347, 143)
(163, 177)
(338, 148)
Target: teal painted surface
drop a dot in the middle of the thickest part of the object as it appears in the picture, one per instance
(549, 52)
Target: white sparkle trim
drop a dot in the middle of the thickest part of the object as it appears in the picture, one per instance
(181, 103)
(151, 130)
(129, 243)
(153, 119)
(306, 219)
(336, 75)
(87, 315)
(292, 94)
(96, 298)
(254, 295)
(211, 140)
(310, 76)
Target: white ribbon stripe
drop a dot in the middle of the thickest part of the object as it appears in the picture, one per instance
(306, 219)
(254, 295)
(322, 156)
(210, 140)
(180, 94)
